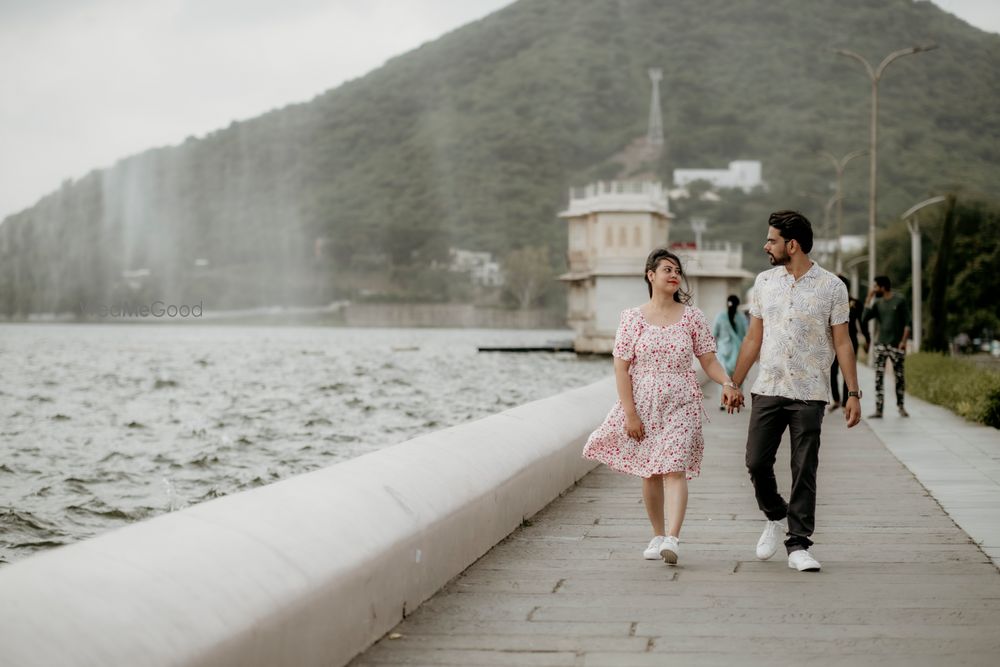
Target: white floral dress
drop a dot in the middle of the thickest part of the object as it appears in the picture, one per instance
(667, 397)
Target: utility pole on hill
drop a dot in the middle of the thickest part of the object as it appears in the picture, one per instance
(654, 135)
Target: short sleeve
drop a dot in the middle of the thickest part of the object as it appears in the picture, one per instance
(840, 309)
(755, 309)
(701, 336)
(627, 335)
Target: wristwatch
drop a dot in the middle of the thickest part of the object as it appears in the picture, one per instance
(856, 394)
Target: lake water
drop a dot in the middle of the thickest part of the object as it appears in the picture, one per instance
(103, 425)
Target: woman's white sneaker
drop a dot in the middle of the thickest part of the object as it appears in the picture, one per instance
(803, 561)
(767, 545)
(670, 550)
(652, 552)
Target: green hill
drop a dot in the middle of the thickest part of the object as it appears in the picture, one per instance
(472, 141)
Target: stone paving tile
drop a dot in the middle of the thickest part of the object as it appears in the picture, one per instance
(956, 460)
(901, 582)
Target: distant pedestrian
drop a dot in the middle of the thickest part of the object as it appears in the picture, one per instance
(855, 311)
(729, 329)
(892, 314)
(799, 322)
(654, 430)
(963, 344)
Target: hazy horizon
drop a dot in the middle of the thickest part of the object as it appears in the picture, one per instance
(189, 71)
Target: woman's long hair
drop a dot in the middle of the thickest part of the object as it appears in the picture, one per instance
(732, 303)
(653, 263)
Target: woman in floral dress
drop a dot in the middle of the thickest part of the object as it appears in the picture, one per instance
(654, 430)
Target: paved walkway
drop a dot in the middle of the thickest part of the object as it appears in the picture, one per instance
(956, 460)
(901, 583)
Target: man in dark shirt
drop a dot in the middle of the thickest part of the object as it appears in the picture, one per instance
(893, 317)
(855, 310)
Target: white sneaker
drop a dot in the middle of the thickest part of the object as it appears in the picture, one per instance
(670, 550)
(767, 545)
(803, 561)
(652, 552)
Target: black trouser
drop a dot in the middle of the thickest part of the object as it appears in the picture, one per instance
(839, 397)
(898, 359)
(769, 417)
(834, 385)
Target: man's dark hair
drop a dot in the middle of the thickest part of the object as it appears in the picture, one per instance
(792, 225)
(883, 282)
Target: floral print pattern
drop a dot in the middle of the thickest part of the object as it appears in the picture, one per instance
(797, 349)
(667, 397)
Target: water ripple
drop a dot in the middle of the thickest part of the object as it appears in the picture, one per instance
(108, 425)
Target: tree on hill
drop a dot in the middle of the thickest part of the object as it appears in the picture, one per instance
(474, 139)
(528, 273)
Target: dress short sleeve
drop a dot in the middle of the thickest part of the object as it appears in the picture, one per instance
(701, 335)
(627, 334)
(840, 309)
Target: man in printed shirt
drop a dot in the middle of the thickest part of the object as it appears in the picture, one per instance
(799, 323)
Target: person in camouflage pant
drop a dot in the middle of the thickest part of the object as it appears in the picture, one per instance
(893, 317)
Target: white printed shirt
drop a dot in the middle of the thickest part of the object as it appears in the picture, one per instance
(797, 350)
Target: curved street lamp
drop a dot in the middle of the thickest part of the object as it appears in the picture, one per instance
(840, 164)
(914, 226)
(822, 233)
(851, 266)
(875, 74)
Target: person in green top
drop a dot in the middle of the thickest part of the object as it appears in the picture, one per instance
(893, 317)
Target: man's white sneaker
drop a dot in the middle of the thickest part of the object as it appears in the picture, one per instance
(767, 545)
(803, 561)
(670, 550)
(652, 552)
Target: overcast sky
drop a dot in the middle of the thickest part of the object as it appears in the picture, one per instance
(85, 82)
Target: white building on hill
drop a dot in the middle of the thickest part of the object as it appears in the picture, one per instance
(480, 266)
(742, 174)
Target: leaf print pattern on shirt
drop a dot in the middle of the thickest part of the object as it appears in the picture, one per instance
(797, 349)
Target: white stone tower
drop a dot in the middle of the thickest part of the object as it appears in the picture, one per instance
(654, 135)
(612, 228)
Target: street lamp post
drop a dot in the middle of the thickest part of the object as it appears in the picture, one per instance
(824, 231)
(875, 74)
(826, 212)
(914, 226)
(699, 226)
(840, 165)
(852, 268)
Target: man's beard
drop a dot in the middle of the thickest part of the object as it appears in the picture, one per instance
(776, 261)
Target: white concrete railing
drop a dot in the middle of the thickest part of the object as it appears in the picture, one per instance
(307, 571)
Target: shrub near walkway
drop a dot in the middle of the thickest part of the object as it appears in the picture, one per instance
(959, 385)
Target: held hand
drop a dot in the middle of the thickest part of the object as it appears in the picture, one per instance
(633, 427)
(732, 399)
(852, 411)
